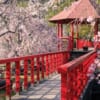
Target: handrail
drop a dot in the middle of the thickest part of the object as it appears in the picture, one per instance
(74, 76)
(3, 60)
(32, 68)
(73, 63)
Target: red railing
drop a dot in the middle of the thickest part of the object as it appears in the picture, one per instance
(81, 43)
(30, 69)
(74, 76)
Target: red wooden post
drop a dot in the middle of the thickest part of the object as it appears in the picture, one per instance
(61, 58)
(96, 29)
(32, 72)
(52, 63)
(25, 74)
(78, 82)
(58, 30)
(59, 33)
(17, 77)
(50, 69)
(43, 67)
(38, 69)
(58, 59)
(74, 84)
(47, 66)
(69, 43)
(72, 35)
(61, 30)
(73, 76)
(56, 62)
(64, 87)
(77, 38)
(8, 81)
(84, 74)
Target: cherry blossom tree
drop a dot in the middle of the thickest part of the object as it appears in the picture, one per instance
(21, 34)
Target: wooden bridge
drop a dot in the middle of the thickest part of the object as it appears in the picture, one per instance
(40, 81)
(63, 75)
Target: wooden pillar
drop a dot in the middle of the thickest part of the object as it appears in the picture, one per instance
(72, 35)
(59, 34)
(8, 81)
(64, 88)
(17, 77)
(47, 66)
(61, 30)
(77, 34)
(96, 29)
(25, 74)
(32, 72)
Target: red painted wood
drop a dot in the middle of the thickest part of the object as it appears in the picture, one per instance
(47, 66)
(56, 62)
(64, 86)
(38, 69)
(43, 67)
(54, 59)
(74, 76)
(69, 44)
(50, 63)
(72, 35)
(28, 64)
(96, 28)
(8, 79)
(53, 70)
(25, 74)
(61, 30)
(58, 30)
(32, 71)
(17, 76)
(60, 34)
(77, 35)
(82, 43)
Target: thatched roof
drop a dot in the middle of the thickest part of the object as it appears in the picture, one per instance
(78, 10)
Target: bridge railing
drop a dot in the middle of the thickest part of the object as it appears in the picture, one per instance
(74, 76)
(82, 43)
(19, 72)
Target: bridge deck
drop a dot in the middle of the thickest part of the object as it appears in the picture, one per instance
(46, 90)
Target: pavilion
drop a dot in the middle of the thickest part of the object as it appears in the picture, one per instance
(80, 12)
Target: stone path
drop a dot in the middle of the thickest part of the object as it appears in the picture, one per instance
(46, 90)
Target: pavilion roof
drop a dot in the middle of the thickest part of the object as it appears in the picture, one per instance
(78, 10)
